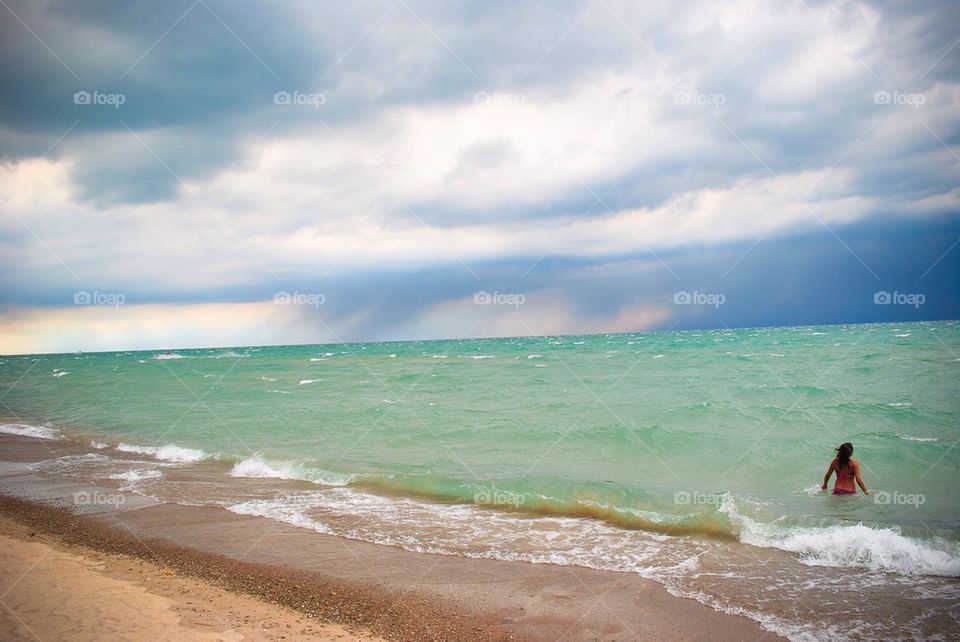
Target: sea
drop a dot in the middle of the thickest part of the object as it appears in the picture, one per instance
(693, 458)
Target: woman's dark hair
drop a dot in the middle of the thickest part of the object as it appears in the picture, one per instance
(843, 454)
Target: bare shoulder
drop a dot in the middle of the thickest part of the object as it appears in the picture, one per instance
(854, 463)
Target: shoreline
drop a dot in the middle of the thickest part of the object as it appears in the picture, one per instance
(391, 592)
(322, 600)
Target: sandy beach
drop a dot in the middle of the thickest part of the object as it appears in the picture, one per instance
(52, 591)
(253, 578)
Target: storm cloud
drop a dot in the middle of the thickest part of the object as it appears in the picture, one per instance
(597, 158)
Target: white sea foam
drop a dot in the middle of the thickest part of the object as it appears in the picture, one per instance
(168, 355)
(858, 546)
(72, 465)
(60, 373)
(26, 430)
(169, 452)
(137, 475)
(229, 355)
(131, 478)
(99, 445)
(304, 382)
(257, 467)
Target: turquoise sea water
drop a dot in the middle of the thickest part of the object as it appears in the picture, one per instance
(684, 456)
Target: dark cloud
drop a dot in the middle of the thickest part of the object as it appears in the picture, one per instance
(740, 98)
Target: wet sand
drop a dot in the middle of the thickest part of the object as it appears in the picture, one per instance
(394, 593)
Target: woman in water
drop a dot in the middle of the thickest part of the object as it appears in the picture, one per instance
(848, 471)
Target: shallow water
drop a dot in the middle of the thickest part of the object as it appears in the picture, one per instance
(693, 458)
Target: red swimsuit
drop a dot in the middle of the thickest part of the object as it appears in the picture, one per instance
(842, 474)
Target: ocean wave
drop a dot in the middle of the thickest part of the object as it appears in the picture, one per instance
(903, 411)
(169, 452)
(502, 498)
(851, 546)
(258, 468)
(170, 355)
(26, 430)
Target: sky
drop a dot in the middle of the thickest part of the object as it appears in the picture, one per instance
(212, 173)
